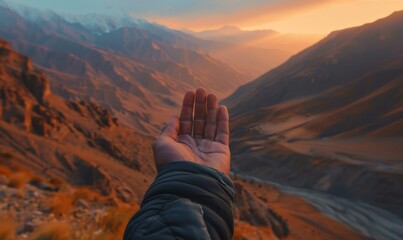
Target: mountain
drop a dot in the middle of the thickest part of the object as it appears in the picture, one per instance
(121, 69)
(76, 141)
(330, 118)
(255, 51)
(73, 162)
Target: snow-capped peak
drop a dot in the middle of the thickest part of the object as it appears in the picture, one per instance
(95, 22)
(101, 23)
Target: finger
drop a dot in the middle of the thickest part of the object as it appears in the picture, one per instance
(211, 119)
(222, 134)
(171, 129)
(186, 117)
(199, 120)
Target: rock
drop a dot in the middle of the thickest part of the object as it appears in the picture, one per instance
(2, 194)
(46, 210)
(79, 214)
(81, 203)
(38, 213)
(44, 186)
(97, 232)
(26, 228)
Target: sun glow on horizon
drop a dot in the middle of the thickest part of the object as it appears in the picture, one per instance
(322, 20)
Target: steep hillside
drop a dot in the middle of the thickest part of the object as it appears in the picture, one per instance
(79, 142)
(330, 118)
(340, 58)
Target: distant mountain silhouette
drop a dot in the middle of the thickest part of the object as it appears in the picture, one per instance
(330, 118)
(255, 51)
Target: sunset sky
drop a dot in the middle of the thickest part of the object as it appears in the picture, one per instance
(298, 16)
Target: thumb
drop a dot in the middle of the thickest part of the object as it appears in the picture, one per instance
(171, 129)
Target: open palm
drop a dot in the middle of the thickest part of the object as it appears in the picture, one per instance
(200, 135)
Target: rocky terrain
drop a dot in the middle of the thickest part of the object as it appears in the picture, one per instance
(34, 207)
(77, 141)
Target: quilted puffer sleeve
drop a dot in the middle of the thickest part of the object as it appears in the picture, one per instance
(186, 201)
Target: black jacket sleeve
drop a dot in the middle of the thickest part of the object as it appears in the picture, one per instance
(186, 201)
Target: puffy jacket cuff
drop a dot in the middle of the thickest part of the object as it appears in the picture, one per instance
(206, 186)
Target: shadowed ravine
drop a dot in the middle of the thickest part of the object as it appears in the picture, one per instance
(370, 221)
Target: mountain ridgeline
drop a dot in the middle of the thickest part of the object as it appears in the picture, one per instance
(330, 118)
(149, 66)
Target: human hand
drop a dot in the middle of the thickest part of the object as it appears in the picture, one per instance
(202, 137)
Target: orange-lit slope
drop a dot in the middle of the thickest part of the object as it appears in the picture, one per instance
(330, 118)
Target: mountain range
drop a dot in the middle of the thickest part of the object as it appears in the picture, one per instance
(120, 69)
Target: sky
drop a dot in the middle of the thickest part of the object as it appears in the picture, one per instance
(294, 16)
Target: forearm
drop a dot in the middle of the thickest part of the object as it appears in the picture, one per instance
(186, 201)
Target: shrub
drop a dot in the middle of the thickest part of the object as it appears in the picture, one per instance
(53, 231)
(86, 194)
(116, 219)
(18, 180)
(61, 203)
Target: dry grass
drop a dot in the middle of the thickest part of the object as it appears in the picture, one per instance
(246, 231)
(7, 229)
(86, 194)
(61, 203)
(116, 219)
(53, 231)
(18, 180)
